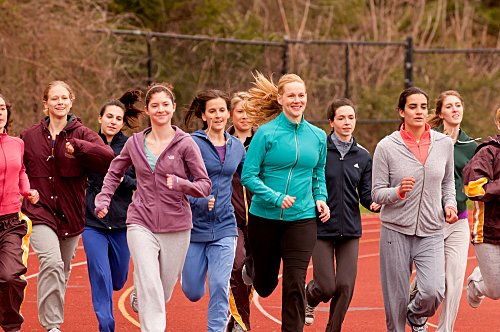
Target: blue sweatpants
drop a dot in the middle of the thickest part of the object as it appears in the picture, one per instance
(217, 257)
(108, 260)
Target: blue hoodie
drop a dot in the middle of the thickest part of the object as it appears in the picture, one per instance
(220, 222)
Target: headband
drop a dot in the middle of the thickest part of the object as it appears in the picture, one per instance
(159, 86)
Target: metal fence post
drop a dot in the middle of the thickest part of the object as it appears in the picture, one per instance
(284, 69)
(347, 71)
(150, 60)
(409, 62)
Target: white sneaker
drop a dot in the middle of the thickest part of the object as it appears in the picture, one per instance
(474, 301)
(133, 301)
(55, 329)
(247, 280)
(238, 328)
(419, 328)
(309, 315)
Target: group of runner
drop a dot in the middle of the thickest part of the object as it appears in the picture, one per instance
(233, 205)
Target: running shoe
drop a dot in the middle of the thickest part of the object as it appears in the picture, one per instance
(238, 328)
(474, 301)
(133, 301)
(416, 328)
(55, 329)
(309, 315)
(309, 312)
(247, 280)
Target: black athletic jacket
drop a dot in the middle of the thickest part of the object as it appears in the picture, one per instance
(348, 181)
(117, 214)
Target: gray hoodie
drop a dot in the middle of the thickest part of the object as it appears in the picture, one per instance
(421, 212)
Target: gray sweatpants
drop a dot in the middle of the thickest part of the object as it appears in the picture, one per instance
(158, 260)
(397, 253)
(55, 256)
(488, 281)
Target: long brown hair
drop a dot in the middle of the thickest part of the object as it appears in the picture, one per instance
(434, 120)
(131, 113)
(262, 105)
(199, 103)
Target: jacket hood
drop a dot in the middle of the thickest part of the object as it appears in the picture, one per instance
(202, 134)
(118, 136)
(179, 134)
(495, 141)
(331, 146)
(435, 136)
(73, 122)
(463, 138)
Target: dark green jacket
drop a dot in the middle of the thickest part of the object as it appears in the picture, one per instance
(463, 151)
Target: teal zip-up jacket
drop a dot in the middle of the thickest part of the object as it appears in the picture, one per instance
(463, 151)
(286, 158)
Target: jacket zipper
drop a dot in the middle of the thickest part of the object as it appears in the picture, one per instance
(342, 196)
(5, 176)
(422, 191)
(218, 184)
(297, 155)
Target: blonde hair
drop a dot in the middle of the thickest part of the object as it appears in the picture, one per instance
(434, 120)
(238, 97)
(262, 105)
(497, 116)
(50, 86)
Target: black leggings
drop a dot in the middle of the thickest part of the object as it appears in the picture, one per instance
(334, 278)
(270, 242)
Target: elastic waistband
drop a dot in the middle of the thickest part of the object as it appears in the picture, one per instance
(10, 216)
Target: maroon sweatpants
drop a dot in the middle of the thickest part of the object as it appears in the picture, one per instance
(14, 235)
(240, 296)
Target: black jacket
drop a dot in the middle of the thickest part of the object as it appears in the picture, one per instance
(117, 214)
(348, 181)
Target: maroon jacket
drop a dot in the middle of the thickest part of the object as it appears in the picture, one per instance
(60, 177)
(482, 185)
(241, 196)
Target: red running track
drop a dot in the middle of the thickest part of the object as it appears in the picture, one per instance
(366, 310)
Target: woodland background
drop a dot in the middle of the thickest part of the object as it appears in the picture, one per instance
(44, 40)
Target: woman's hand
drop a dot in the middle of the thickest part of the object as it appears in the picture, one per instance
(102, 213)
(324, 210)
(287, 202)
(211, 203)
(375, 207)
(70, 148)
(170, 185)
(451, 216)
(33, 196)
(406, 185)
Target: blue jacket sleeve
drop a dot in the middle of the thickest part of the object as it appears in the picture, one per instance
(318, 180)
(365, 186)
(252, 169)
(200, 203)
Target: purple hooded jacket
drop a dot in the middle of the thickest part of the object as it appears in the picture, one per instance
(154, 206)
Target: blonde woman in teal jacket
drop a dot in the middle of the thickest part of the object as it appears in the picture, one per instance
(285, 170)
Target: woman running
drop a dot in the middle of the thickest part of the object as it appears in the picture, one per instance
(105, 240)
(159, 219)
(481, 179)
(413, 180)
(213, 237)
(240, 296)
(285, 170)
(348, 174)
(59, 155)
(15, 227)
(446, 119)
